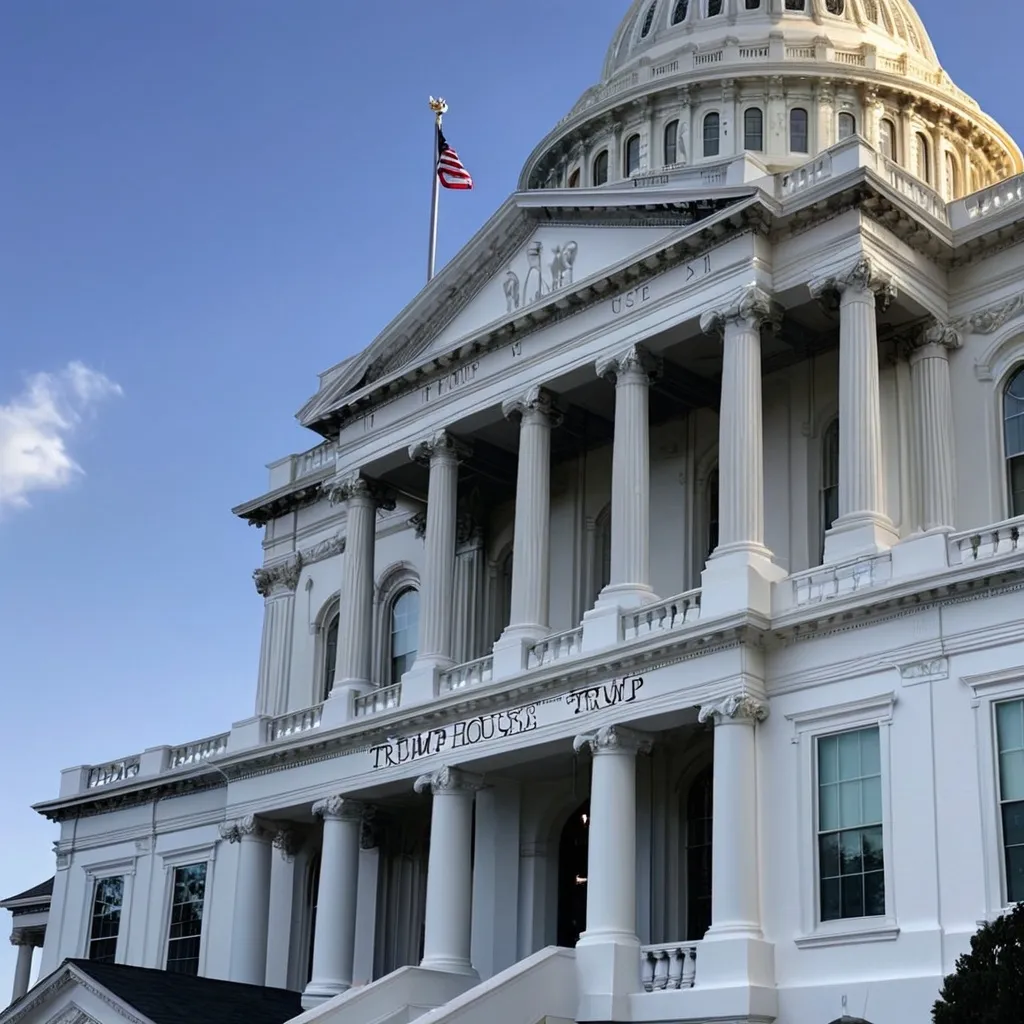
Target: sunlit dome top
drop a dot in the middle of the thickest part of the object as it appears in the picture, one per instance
(652, 28)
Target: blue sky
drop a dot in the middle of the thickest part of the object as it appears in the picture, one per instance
(202, 204)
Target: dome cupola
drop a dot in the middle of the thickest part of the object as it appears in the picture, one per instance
(701, 81)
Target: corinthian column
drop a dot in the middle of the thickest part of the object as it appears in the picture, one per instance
(448, 926)
(735, 900)
(531, 543)
(740, 570)
(863, 526)
(353, 667)
(933, 408)
(608, 952)
(334, 942)
(276, 584)
(632, 371)
(248, 962)
(442, 453)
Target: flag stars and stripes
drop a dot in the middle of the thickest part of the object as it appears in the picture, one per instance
(450, 170)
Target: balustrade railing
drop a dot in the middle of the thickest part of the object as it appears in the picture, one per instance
(995, 198)
(113, 771)
(472, 673)
(320, 457)
(387, 698)
(818, 169)
(557, 647)
(296, 722)
(829, 581)
(200, 750)
(662, 617)
(991, 542)
(672, 965)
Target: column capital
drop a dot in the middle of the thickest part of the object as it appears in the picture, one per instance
(735, 708)
(280, 578)
(859, 275)
(339, 808)
(286, 840)
(449, 780)
(249, 827)
(535, 402)
(751, 307)
(418, 523)
(439, 445)
(356, 487)
(26, 937)
(934, 337)
(613, 739)
(633, 365)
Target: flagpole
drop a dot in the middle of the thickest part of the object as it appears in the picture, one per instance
(440, 108)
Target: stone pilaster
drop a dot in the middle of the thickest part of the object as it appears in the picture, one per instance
(335, 940)
(537, 415)
(933, 416)
(353, 668)
(863, 527)
(608, 952)
(248, 963)
(740, 570)
(442, 453)
(448, 926)
(276, 584)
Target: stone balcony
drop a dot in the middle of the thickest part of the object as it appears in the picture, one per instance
(919, 567)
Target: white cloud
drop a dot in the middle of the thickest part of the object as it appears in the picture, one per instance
(35, 427)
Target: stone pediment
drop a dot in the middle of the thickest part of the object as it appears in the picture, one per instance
(522, 258)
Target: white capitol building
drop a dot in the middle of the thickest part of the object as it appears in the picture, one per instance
(644, 634)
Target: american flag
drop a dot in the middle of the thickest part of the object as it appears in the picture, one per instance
(449, 167)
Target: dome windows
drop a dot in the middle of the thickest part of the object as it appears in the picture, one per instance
(632, 157)
(712, 133)
(753, 129)
(847, 125)
(836, 7)
(796, 5)
(870, 9)
(645, 29)
(798, 131)
(887, 138)
(671, 143)
(600, 168)
(714, 8)
(679, 12)
(922, 158)
(752, 5)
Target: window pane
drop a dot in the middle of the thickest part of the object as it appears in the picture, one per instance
(679, 11)
(1017, 486)
(1011, 775)
(828, 759)
(188, 893)
(711, 130)
(106, 919)
(671, 142)
(874, 894)
(830, 904)
(871, 838)
(1010, 725)
(828, 855)
(798, 140)
(753, 129)
(847, 126)
(1013, 841)
(849, 756)
(849, 805)
(887, 139)
(828, 808)
(632, 155)
(871, 794)
(601, 168)
(852, 896)
(870, 762)
(851, 861)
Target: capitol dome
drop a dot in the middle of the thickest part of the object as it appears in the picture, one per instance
(690, 82)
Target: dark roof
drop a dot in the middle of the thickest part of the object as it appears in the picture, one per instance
(845, 1019)
(37, 892)
(167, 998)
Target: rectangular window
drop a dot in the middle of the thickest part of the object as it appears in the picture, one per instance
(851, 870)
(108, 898)
(1010, 738)
(188, 893)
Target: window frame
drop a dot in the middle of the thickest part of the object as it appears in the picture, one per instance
(632, 138)
(807, 130)
(704, 138)
(387, 679)
(607, 168)
(124, 868)
(666, 135)
(753, 108)
(808, 727)
(1016, 370)
(675, 10)
(183, 858)
(987, 690)
(839, 120)
(894, 147)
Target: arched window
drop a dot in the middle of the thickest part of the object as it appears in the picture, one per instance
(712, 129)
(632, 161)
(671, 144)
(680, 11)
(1013, 433)
(714, 7)
(870, 10)
(753, 129)
(699, 816)
(924, 167)
(887, 139)
(829, 480)
(798, 139)
(330, 656)
(600, 176)
(952, 179)
(574, 179)
(712, 511)
(405, 624)
(847, 125)
(836, 7)
(645, 29)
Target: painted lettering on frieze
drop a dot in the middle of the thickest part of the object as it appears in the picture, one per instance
(631, 299)
(606, 695)
(458, 378)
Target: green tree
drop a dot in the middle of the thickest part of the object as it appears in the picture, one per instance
(987, 986)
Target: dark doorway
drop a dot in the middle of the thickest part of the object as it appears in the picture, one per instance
(572, 876)
(698, 856)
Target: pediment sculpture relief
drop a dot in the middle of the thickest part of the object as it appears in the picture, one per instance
(540, 279)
